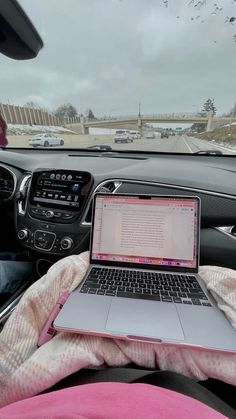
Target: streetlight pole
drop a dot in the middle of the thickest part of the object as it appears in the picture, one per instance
(139, 109)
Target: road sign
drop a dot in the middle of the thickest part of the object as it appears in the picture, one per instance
(178, 129)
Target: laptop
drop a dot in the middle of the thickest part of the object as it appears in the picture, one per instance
(142, 283)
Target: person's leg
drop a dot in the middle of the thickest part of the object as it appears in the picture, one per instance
(166, 379)
(7, 256)
(13, 274)
(181, 384)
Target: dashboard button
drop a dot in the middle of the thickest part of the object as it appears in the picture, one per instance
(47, 226)
(44, 239)
(67, 215)
(36, 211)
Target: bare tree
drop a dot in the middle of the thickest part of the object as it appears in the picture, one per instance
(31, 105)
(65, 111)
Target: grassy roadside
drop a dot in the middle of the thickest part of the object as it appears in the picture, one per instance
(225, 136)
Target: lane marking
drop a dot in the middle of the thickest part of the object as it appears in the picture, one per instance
(213, 145)
(188, 146)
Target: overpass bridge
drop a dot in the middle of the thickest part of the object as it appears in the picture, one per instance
(138, 122)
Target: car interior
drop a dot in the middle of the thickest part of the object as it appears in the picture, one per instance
(46, 233)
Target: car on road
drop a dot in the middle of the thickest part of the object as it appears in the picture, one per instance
(123, 136)
(164, 134)
(45, 140)
(150, 135)
(135, 135)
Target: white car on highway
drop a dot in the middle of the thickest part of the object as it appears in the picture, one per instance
(150, 135)
(123, 136)
(135, 135)
(45, 140)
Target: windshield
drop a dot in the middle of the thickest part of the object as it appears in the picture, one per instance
(160, 74)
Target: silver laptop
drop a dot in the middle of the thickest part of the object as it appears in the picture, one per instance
(142, 283)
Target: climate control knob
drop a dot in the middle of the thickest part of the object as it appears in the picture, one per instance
(49, 214)
(23, 234)
(66, 243)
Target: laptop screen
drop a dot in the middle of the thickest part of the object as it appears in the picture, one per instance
(148, 230)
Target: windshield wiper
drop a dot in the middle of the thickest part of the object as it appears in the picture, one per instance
(209, 152)
(100, 147)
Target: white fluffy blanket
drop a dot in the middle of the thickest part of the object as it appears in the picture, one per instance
(26, 370)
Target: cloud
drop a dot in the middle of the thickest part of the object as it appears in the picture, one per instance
(110, 55)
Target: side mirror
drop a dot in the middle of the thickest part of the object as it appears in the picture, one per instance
(18, 37)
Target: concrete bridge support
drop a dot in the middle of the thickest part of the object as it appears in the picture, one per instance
(210, 120)
(140, 124)
(84, 129)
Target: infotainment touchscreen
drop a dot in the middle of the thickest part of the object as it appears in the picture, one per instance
(59, 189)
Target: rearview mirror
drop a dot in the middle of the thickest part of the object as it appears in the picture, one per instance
(18, 37)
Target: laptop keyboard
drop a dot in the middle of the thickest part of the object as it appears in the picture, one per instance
(165, 287)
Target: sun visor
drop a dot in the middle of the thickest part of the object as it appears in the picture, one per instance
(18, 37)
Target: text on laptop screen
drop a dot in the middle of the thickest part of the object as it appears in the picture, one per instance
(157, 231)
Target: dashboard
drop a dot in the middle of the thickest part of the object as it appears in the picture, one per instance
(52, 194)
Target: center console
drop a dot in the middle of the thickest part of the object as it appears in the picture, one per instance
(53, 208)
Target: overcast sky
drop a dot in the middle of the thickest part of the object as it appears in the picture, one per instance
(111, 55)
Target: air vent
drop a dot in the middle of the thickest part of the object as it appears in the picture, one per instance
(109, 187)
(7, 183)
(105, 187)
(23, 193)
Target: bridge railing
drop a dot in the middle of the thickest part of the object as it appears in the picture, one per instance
(176, 116)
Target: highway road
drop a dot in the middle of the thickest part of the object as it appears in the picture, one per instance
(175, 144)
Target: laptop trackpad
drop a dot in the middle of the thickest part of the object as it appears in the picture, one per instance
(144, 318)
